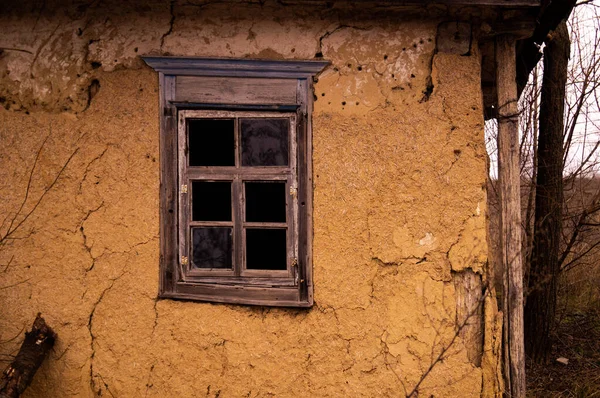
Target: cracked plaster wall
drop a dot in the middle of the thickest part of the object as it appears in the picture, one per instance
(399, 204)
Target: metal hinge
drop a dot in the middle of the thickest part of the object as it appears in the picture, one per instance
(294, 262)
(183, 189)
(293, 192)
(184, 260)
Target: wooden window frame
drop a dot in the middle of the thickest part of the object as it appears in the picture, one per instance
(211, 87)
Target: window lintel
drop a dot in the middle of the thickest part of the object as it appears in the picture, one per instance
(235, 67)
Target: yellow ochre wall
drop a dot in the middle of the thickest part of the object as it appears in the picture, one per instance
(399, 204)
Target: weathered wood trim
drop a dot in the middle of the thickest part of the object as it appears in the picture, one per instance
(235, 90)
(209, 174)
(469, 312)
(279, 297)
(168, 186)
(197, 277)
(239, 107)
(496, 3)
(510, 215)
(305, 189)
(230, 67)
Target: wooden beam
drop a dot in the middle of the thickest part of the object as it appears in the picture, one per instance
(553, 12)
(510, 205)
(235, 67)
(495, 3)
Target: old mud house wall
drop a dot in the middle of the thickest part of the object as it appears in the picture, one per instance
(399, 204)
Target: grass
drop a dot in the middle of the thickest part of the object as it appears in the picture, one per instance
(577, 338)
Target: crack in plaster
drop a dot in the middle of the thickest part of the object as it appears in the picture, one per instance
(171, 24)
(93, 338)
(89, 165)
(87, 247)
(93, 341)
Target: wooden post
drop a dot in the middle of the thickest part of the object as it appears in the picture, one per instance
(510, 220)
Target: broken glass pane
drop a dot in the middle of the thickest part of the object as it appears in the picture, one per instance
(265, 201)
(212, 247)
(266, 249)
(265, 142)
(211, 201)
(211, 142)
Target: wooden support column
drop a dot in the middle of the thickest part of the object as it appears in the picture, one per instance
(510, 205)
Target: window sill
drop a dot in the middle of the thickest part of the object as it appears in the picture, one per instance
(247, 295)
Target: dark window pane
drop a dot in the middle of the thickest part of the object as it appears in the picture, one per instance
(266, 249)
(211, 201)
(212, 248)
(265, 201)
(211, 142)
(265, 142)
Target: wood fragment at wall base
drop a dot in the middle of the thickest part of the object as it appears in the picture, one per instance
(469, 308)
(19, 374)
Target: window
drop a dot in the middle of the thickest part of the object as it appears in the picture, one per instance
(236, 181)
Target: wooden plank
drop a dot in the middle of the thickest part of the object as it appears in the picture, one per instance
(469, 312)
(238, 216)
(231, 90)
(230, 112)
(211, 224)
(259, 273)
(247, 173)
(510, 219)
(195, 66)
(282, 296)
(291, 195)
(168, 183)
(184, 197)
(304, 98)
(496, 3)
(241, 107)
(265, 224)
(199, 277)
(208, 274)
